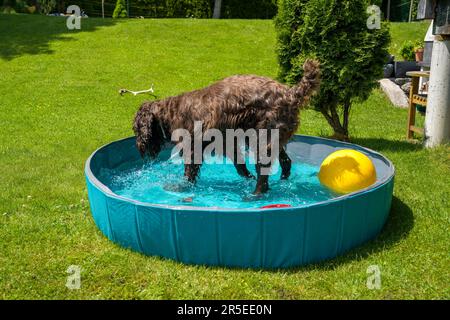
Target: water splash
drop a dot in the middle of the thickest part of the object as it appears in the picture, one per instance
(161, 182)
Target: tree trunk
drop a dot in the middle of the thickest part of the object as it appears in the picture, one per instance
(332, 117)
(411, 5)
(103, 9)
(217, 9)
(388, 10)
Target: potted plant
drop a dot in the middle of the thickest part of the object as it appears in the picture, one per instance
(407, 51)
(418, 50)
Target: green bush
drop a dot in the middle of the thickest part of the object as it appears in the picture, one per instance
(93, 8)
(407, 51)
(121, 10)
(46, 6)
(188, 9)
(16, 6)
(415, 9)
(171, 8)
(335, 32)
(8, 10)
(419, 44)
(20, 6)
(250, 9)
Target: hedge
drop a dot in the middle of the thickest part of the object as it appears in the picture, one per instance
(231, 9)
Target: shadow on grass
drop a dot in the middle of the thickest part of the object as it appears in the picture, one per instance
(22, 34)
(388, 145)
(398, 225)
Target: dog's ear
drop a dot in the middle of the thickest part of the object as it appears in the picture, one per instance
(148, 140)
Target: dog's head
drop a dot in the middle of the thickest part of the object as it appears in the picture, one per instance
(148, 130)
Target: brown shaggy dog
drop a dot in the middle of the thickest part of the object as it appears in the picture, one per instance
(238, 102)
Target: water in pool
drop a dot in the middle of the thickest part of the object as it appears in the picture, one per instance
(218, 185)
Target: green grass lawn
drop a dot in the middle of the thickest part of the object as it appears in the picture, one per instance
(59, 102)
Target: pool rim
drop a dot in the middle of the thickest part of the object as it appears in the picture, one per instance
(378, 184)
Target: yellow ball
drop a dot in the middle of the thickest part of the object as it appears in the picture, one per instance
(346, 171)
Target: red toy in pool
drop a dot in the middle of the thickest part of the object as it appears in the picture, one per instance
(276, 206)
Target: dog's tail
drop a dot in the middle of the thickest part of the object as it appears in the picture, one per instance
(309, 84)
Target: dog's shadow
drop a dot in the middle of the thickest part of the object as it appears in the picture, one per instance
(383, 145)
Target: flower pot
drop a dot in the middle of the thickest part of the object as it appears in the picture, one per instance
(419, 55)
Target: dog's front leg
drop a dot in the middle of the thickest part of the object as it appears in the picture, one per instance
(236, 156)
(238, 159)
(191, 172)
(243, 171)
(262, 182)
(285, 164)
(263, 169)
(192, 165)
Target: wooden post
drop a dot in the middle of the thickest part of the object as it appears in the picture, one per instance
(388, 13)
(437, 119)
(412, 107)
(411, 10)
(217, 9)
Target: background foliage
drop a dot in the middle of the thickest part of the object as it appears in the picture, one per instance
(407, 51)
(249, 9)
(335, 32)
(120, 10)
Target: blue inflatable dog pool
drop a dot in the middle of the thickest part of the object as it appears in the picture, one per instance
(248, 237)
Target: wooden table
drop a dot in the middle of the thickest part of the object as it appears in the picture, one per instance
(415, 98)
